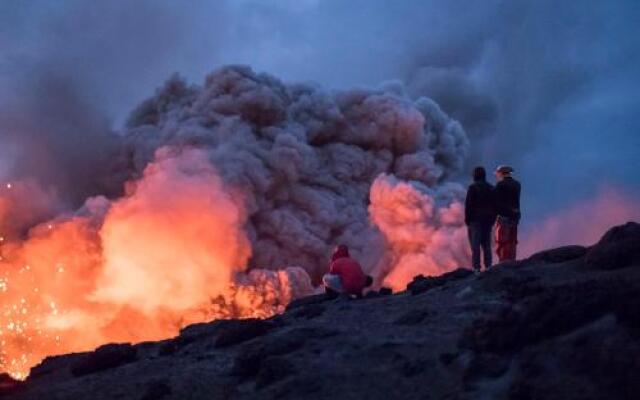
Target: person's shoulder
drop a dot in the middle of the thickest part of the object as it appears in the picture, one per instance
(338, 262)
(511, 182)
(471, 189)
(475, 185)
(346, 262)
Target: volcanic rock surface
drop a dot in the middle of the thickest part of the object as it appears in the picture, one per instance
(563, 324)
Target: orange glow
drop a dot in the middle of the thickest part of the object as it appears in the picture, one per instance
(420, 238)
(171, 252)
(582, 223)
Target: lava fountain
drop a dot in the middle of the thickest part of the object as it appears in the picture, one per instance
(170, 252)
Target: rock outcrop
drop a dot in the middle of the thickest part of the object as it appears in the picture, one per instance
(562, 324)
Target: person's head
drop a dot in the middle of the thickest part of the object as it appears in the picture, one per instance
(503, 171)
(479, 174)
(340, 251)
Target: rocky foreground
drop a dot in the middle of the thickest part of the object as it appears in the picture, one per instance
(563, 324)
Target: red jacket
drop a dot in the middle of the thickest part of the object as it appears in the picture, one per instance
(350, 273)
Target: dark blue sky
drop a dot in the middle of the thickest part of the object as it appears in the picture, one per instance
(550, 87)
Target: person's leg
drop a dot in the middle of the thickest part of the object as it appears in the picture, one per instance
(474, 241)
(485, 243)
(500, 243)
(332, 283)
(513, 242)
(506, 239)
(369, 281)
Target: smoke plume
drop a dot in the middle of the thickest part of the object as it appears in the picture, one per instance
(548, 87)
(304, 158)
(233, 194)
(423, 228)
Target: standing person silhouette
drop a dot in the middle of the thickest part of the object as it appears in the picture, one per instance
(480, 216)
(507, 193)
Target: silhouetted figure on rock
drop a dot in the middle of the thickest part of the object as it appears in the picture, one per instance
(345, 274)
(507, 194)
(480, 215)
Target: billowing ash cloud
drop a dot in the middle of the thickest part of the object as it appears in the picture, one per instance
(231, 196)
(303, 157)
(548, 80)
(70, 72)
(423, 228)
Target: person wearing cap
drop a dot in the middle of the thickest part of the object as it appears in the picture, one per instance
(507, 195)
(480, 216)
(345, 274)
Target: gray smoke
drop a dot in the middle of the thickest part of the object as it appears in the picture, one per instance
(304, 158)
(548, 87)
(527, 80)
(63, 69)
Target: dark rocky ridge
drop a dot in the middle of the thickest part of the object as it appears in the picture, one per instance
(563, 324)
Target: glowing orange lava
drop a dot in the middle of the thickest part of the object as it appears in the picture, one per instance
(169, 253)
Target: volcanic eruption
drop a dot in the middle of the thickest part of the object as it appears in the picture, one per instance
(226, 199)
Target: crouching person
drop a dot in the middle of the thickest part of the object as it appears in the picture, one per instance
(345, 275)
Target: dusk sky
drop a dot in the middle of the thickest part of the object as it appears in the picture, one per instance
(549, 87)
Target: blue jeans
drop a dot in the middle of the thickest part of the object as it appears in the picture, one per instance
(480, 238)
(333, 282)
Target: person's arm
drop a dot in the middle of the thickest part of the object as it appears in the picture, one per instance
(335, 268)
(497, 198)
(468, 204)
(518, 196)
(494, 204)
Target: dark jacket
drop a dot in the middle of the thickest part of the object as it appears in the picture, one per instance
(480, 203)
(508, 198)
